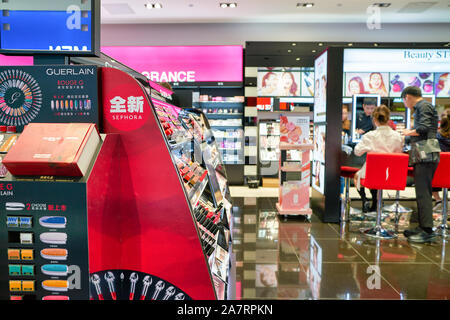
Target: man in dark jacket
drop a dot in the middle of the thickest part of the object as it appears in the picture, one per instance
(364, 122)
(423, 159)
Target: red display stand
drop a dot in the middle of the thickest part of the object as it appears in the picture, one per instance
(145, 234)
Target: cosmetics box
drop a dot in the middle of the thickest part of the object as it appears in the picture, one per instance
(53, 149)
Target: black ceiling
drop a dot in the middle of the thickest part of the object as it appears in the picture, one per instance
(286, 54)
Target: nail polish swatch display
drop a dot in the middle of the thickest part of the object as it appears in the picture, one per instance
(132, 285)
(72, 104)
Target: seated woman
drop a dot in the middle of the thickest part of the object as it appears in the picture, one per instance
(381, 140)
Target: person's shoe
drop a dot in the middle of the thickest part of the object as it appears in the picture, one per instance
(411, 232)
(422, 237)
(366, 207)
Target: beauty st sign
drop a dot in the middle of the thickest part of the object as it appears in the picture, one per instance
(182, 64)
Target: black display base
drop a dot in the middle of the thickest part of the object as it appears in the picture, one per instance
(235, 174)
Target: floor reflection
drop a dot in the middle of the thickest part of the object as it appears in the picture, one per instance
(297, 259)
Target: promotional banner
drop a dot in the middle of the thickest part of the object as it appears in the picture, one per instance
(319, 158)
(294, 130)
(44, 241)
(279, 82)
(400, 60)
(366, 82)
(399, 81)
(16, 60)
(307, 83)
(442, 82)
(48, 94)
(320, 87)
(182, 63)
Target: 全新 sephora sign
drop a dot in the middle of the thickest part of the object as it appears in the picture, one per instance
(182, 63)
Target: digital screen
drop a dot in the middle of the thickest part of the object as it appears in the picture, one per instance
(47, 26)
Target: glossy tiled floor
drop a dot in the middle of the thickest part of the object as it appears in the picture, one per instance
(295, 259)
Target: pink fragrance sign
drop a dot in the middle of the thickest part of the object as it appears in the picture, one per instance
(16, 60)
(182, 64)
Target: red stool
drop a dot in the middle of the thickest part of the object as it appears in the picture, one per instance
(396, 207)
(441, 179)
(384, 171)
(347, 173)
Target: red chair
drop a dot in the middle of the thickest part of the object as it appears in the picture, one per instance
(384, 171)
(441, 179)
(396, 207)
(347, 173)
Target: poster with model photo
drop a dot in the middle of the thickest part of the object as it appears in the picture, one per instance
(320, 88)
(366, 82)
(318, 157)
(294, 130)
(278, 82)
(442, 82)
(399, 81)
(307, 83)
(318, 176)
(319, 143)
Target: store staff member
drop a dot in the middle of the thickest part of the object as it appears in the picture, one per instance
(364, 121)
(424, 157)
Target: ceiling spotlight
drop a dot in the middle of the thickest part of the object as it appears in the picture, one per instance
(350, 44)
(320, 44)
(289, 50)
(228, 5)
(382, 5)
(294, 44)
(313, 51)
(150, 6)
(298, 59)
(305, 5)
(375, 44)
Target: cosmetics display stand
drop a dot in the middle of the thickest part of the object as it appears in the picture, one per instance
(225, 118)
(175, 207)
(294, 181)
(44, 234)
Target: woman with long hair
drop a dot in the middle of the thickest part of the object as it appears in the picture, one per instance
(289, 86)
(355, 86)
(376, 84)
(269, 84)
(383, 139)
